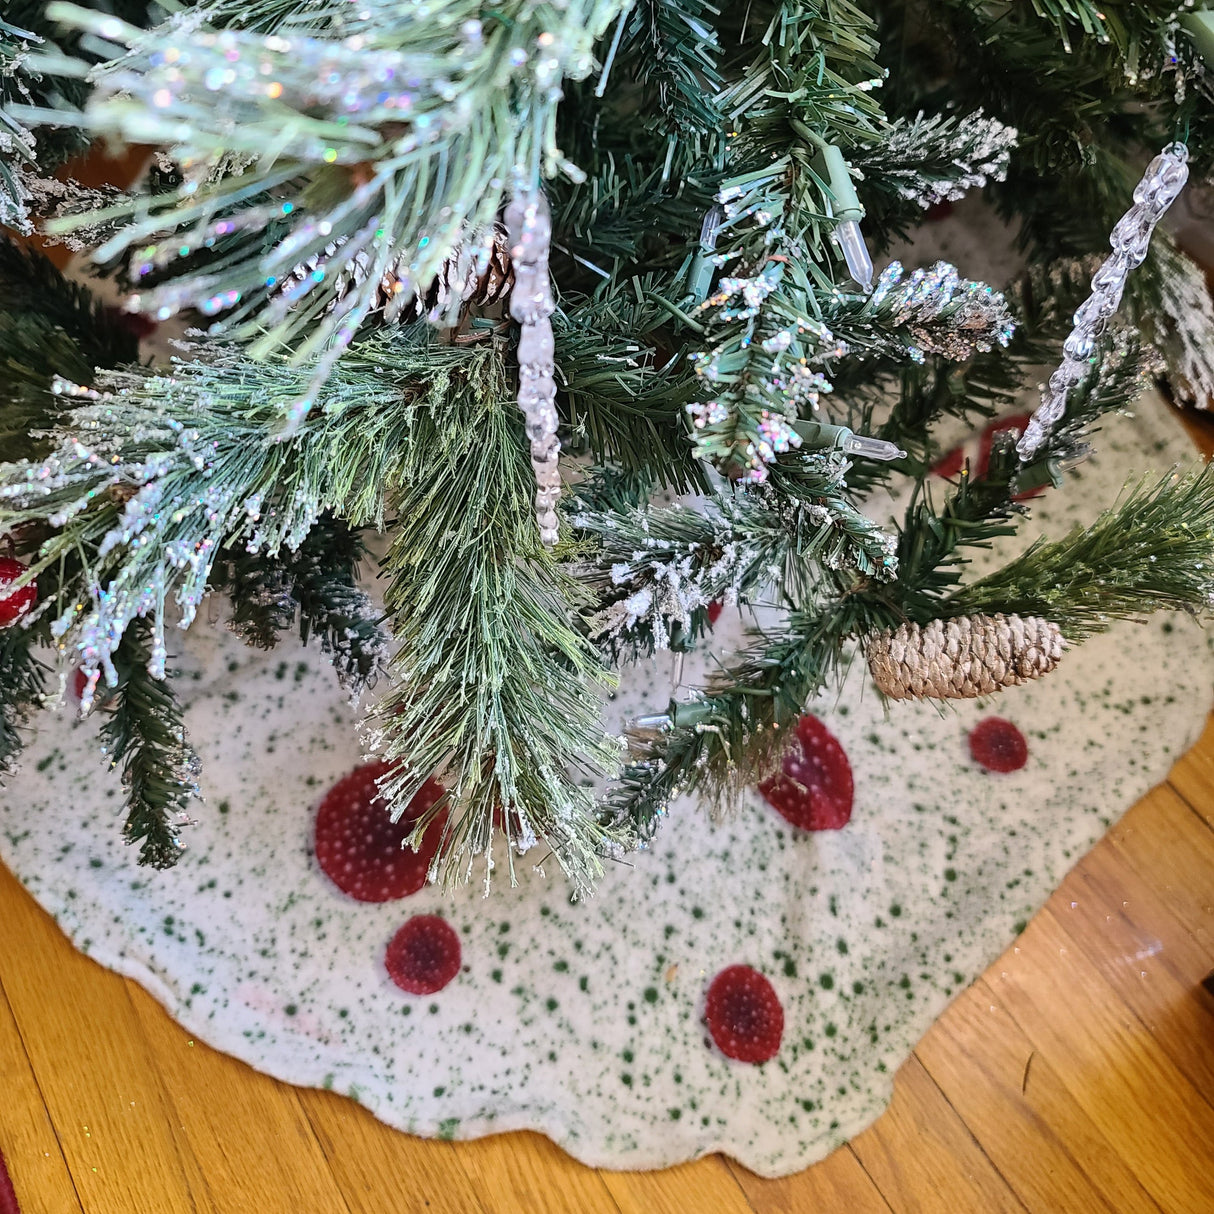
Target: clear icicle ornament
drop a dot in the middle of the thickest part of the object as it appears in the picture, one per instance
(1161, 183)
(529, 231)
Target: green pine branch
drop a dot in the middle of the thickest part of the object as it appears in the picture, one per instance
(1149, 552)
(732, 734)
(497, 693)
(48, 326)
(672, 49)
(656, 571)
(162, 473)
(925, 160)
(359, 173)
(144, 735)
(22, 684)
(622, 395)
(316, 583)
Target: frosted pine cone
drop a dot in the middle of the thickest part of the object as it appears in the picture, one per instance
(459, 280)
(963, 658)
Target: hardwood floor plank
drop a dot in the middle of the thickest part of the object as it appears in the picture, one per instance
(1107, 1060)
(706, 1184)
(923, 1158)
(1169, 846)
(838, 1182)
(253, 1142)
(1193, 775)
(117, 1126)
(1151, 960)
(524, 1171)
(28, 1142)
(381, 1169)
(1012, 1100)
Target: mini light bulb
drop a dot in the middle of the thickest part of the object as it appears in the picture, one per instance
(870, 448)
(850, 239)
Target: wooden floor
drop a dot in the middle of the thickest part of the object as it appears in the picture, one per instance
(1077, 1075)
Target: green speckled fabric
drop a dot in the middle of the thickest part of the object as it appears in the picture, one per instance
(585, 1021)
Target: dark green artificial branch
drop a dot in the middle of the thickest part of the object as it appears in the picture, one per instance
(48, 326)
(144, 735)
(1150, 552)
(22, 684)
(316, 582)
(656, 571)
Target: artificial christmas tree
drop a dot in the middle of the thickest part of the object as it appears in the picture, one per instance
(641, 238)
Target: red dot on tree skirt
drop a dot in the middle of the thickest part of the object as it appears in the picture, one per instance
(424, 955)
(950, 463)
(359, 846)
(714, 611)
(998, 745)
(814, 789)
(138, 324)
(986, 442)
(14, 603)
(80, 681)
(744, 1014)
(8, 1196)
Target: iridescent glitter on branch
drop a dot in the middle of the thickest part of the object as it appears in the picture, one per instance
(1163, 180)
(933, 158)
(354, 137)
(656, 569)
(159, 473)
(930, 311)
(770, 378)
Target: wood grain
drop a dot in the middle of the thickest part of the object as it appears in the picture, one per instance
(27, 1137)
(923, 1158)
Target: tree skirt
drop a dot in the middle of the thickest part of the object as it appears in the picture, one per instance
(587, 1021)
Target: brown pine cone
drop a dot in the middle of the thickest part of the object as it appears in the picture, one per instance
(963, 658)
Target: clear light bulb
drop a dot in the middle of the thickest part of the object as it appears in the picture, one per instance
(855, 252)
(870, 448)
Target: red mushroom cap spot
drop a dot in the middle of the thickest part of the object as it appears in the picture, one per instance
(998, 745)
(744, 1015)
(424, 955)
(814, 789)
(362, 850)
(15, 603)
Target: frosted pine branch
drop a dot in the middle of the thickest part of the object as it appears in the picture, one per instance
(932, 311)
(365, 114)
(153, 478)
(657, 568)
(1187, 336)
(929, 159)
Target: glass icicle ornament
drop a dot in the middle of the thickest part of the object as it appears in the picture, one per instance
(529, 231)
(1131, 237)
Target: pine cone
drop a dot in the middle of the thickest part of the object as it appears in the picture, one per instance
(963, 658)
(457, 279)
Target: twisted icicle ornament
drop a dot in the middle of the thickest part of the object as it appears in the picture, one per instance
(963, 658)
(529, 231)
(1161, 183)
